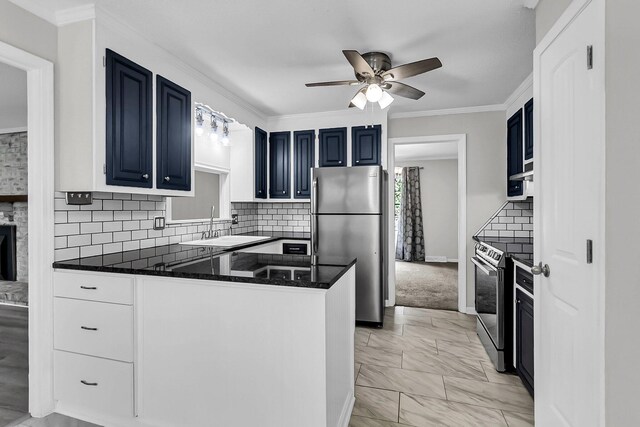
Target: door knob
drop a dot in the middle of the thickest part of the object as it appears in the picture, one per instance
(541, 269)
(145, 176)
(167, 178)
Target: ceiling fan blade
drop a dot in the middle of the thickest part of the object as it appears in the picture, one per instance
(412, 69)
(335, 83)
(404, 90)
(358, 63)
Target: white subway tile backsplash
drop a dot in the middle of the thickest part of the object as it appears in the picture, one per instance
(66, 229)
(121, 222)
(79, 240)
(109, 227)
(515, 219)
(91, 227)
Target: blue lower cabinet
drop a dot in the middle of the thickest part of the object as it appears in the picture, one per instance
(279, 165)
(333, 147)
(173, 111)
(260, 165)
(365, 145)
(129, 127)
(303, 161)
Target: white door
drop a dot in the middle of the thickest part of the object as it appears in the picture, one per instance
(569, 209)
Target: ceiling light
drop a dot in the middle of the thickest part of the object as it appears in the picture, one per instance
(213, 132)
(385, 100)
(374, 92)
(360, 100)
(225, 138)
(199, 122)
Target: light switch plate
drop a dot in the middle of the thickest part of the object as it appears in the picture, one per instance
(158, 223)
(80, 198)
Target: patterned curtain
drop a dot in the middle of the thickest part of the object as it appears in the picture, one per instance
(410, 236)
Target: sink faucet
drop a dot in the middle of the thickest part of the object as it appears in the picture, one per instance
(209, 234)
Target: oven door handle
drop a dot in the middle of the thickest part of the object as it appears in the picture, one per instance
(486, 268)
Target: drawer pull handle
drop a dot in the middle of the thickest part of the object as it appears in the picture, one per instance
(88, 383)
(86, 328)
(91, 288)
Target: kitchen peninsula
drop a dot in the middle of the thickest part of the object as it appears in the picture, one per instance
(191, 336)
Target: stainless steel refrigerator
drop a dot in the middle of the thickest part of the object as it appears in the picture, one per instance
(348, 218)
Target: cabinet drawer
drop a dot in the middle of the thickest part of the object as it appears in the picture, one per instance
(93, 384)
(93, 287)
(94, 328)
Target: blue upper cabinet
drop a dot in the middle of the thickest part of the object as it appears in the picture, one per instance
(129, 102)
(333, 147)
(303, 161)
(528, 130)
(514, 154)
(173, 140)
(260, 164)
(279, 165)
(365, 145)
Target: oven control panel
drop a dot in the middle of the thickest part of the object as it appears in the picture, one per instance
(489, 253)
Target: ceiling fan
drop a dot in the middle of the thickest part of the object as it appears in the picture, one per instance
(373, 70)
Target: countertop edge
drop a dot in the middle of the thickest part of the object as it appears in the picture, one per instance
(65, 265)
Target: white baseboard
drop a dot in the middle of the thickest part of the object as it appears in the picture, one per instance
(345, 416)
(435, 258)
(471, 310)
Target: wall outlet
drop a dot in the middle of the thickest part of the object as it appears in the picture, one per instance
(158, 223)
(234, 218)
(81, 198)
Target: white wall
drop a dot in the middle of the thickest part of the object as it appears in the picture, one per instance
(486, 164)
(547, 13)
(13, 98)
(26, 31)
(439, 198)
(622, 228)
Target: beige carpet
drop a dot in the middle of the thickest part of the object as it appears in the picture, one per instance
(427, 285)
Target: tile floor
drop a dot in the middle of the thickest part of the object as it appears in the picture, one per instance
(427, 367)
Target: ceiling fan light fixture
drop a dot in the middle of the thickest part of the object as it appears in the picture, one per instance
(360, 100)
(374, 92)
(385, 100)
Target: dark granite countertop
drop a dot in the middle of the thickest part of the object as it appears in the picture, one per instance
(517, 248)
(220, 263)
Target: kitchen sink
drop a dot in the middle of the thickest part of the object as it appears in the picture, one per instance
(227, 241)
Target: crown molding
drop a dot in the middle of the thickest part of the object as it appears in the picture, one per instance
(352, 112)
(75, 14)
(526, 84)
(448, 111)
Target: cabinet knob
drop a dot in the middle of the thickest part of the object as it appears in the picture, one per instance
(167, 178)
(259, 191)
(357, 161)
(283, 191)
(298, 191)
(145, 176)
(339, 162)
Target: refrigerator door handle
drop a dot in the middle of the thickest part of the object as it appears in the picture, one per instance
(314, 196)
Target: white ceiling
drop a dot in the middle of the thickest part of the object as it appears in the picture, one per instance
(13, 97)
(265, 52)
(425, 151)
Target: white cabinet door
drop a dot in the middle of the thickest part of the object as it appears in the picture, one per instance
(569, 209)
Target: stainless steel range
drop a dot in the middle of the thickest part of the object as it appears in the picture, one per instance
(493, 296)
